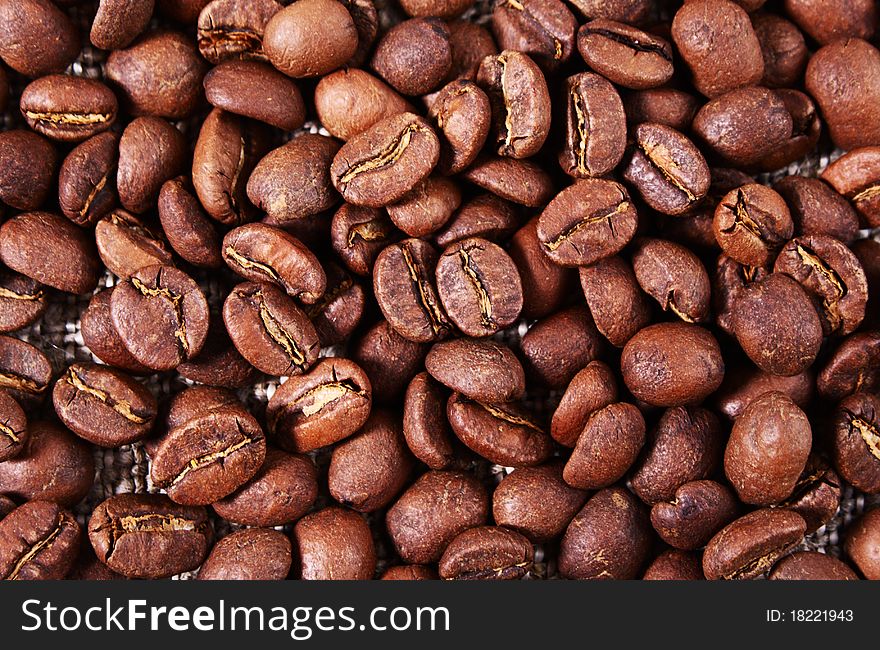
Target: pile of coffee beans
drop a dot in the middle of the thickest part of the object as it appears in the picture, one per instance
(525, 297)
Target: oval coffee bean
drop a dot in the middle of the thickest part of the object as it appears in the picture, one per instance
(816, 209)
(126, 244)
(427, 207)
(36, 37)
(187, 227)
(856, 175)
(556, 347)
(66, 108)
(861, 543)
(751, 224)
(13, 427)
(543, 29)
(151, 151)
(485, 216)
(673, 564)
(101, 338)
(595, 127)
(38, 541)
(389, 360)
(22, 301)
(87, 179)
(487, 553)
(853, 367)
(519, 181)
(27, 169)
(25, 372)
(334, 544)
(249, 554)
(546, 285)
(119, 22)
(149, 536)
(425, 427)
(591, 389)
(625, 55)
(487, 371)
(811, 565)
(341, 308)
(698, 510)
(618, 305)
(414, 69)
(855, 439)
(230, 29)
(669, 106)
(359, 234)
(463, 115)
(673, 276)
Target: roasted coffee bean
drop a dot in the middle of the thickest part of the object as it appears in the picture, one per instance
(149, 536)
(219, 363)
(249, 554)
(854, 367)
(389, 359)
(463, 115)
(36, 37)
(751, 224)
(609, 539)
(816, 495)
(811, 565)
(104, 406)
(805, 132)
(209, 457)
(66, 108)
(187, 227)
(160, 295)
(667, 169)
(471, 43)
(844, 79)
(414, 56)
(618, 306)
(151, 151)
(227, 151)
(607, 447)
(545, 284)
(719, 46)
(340, 310)
(487, 553)
(334, 544)
(442, 8)
(835, 19)
(282, 491)
(543, 29)
(673, 564)
(749, 546)
(698, 510)
(54, 465)
(256, 90)
(425, 427)
(231, 29)
(101, 337)
(686, 445)
(87, 180)
(669, 106)
(25, 372)
(768, 449)
(7, 505)
(672, 364)
(588, 221)
(409, 572)
(359, 234)
(777, 325)
(862, 538)
(160, 74)
(427, 207)
(22, 301)
(744, 383)
(855, 441)
(816, 209)
(195, 401)
(856, 176)
(520, 103)
(590, 390)
(674, 277)
(557, 347)
(595, 127)
(366, 22)
(183, 11)
(519, 181)
(126, 244)
(504, 434)
(119, 22)
(783, 48)
(485, 216)
(632, 12)
(486, 371)
(625, 55)
(310, 38)
(457, 502)
(13, 427)
(350, 101)
(27, 169)
(269, 330)
(729, 283)
(38, 541)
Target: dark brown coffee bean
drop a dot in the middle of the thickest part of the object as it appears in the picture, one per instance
(334, 544)
(126, 244)
(588, 221)
(545, 285)
(269, 330)
(427, 207)
(686, 445)
(749, 546)
(414, 56)
(816, 209)
(27, 169)
(425, 427)
(717, 42)
(22, 301)
(442, 8)
(543, 29)
(389, 359)
(854, 367)
(249, 554)
(557, 347)
(672, 364)
(862, 539)
(844, 79)
(625, 55)
(520, 181)
(151, 151)
(359, 234)
(805, 132)
(609, 539)
(350, 101)
(149, 536)
(619, 308)
(230, 29)
(311, 39)
(632, 12)
(485, 216)
(520, 101)
(595, 127)
(667, 169)
(835, 19)
(192, 402)
(24, 371)
(339, 311)
(751, 224)
(87, 180)
(591, 389)
(101, 337)
(783, 48)
(486, 371)
(504, 434)
(471, 43)
(119, 22)
(811, 565)
(745, 383)
(673, 564)
(54, 465)
(7, 505)
(463, 116)
(183, 11)
(409, 572)
(607, 447)
(36, 37)
(38, 541)
(104, 406)
(674, 277)
(67, 108)
(855, 440)
(457, 502)
(856, 175)
(777, 325)
(13, 427)
(209, 457)
(219, 363)
(816, 495)
(729, 283)
(227, 150)
(50, 249)
(282, 491)
(669, 106)
(160, 74)
(698, 510)
(187, 227)
(487, 553)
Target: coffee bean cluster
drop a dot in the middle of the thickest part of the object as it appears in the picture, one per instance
(542, 248)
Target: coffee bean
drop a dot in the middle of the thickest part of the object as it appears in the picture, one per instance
(487, 553)
(389, 359)
(545, 285)
(409, 572)
(425, 427)
(632, 12)
(777, 326)
(609, 539)
(66, 108)
(36, 37)
(617, 304)
(729, 283)
(673, 564)
(672, 364)
(591, 389)
(830, 21)
(674, 277)
(359, 234)
(149, 536)
(27, 169)
(269, 330)
(104, 406)
(282, 491)
(310, 38)
(749, 546)
(556, 347)
(232, 29)
(668, 106)
(101, 337)
(855, 441)
(862, 538)
(698, 511)
(751, 224)
(187, 227)
(22, 301)
(463, 115)
(856, 175)
(805, 132)
(625, 55)
(340, 310)
(536, 502)
(686, 445)
(151, 151)
(13, 427)
(54, 465)
(414, 56)
(816, 209)
(219, 363)
(192, 402)
(667, 169)
(816, 495)
(486, 371)
(7, 505)
(366, 22)
(119, 22)
(38, 541)
(334, 544)
(485, 216)
(520, 101)
(543, 29)
(87, 180)
(607, 447)
(183, 11)
(745, 383)
(588, 221)
(471, 43)
(126, 244)
(249, 554)
(427, 207)
(519, 181)
(25, 372)
(457, 502)
(854, 367)
(783, 48)
(811, 565)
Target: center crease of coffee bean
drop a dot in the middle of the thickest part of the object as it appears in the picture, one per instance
(94, 192)
(582, 130)
(176, 301)
(12, 295)
(760, 565)
(742, 218)
(384, 158)
(437, 319)
(323, 395)
(215, 36)
(8, 431)
(472, 273)
(233, 184)
(37, 548)
(279, 334)
(249, 263)
(501, 414)
(76, 119)
(632, 43)
(599, 216)
(867, 194)
(662, 159)
(826, 276)
(670, 304)
(200, 462)
(373, 230)
(870, 434)
(511, 572)
(17, 382)
(120, 406)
